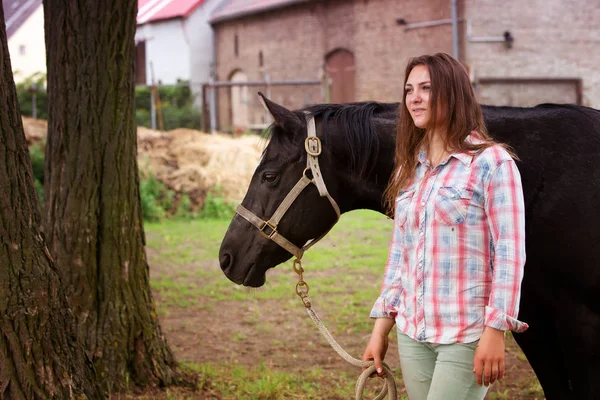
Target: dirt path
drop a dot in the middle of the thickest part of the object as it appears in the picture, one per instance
(251, 332)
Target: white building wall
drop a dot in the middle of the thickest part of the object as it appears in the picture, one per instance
(201, 45)
(27, 47)
(167, 51)
(182, 48)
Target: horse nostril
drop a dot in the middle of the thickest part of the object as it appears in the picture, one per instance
(226, 261)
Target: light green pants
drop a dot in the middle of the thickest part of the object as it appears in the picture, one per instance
(438, 371)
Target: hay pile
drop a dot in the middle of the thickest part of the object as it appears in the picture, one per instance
(193, 162)
(188, 161)
(35, 130)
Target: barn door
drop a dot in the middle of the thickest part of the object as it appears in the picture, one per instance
(140, 63)
(239, 103)
(341, 71)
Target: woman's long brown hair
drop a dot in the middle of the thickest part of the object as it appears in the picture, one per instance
(451, 90)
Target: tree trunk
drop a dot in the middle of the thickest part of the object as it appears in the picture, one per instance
(39, 355)
(92, 214)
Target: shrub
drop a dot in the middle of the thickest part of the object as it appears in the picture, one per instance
(40, 191)
(216, 207)
(177, 103)
(150, 193)
(185, 117)
(36, 152)
(25, 96)
(177, 107)
(184, 208)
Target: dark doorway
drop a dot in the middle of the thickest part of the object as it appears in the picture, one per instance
(140, 63)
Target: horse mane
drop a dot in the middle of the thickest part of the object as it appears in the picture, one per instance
(357, 122)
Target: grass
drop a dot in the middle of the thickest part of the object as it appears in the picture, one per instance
(235, 382)
(191, 243)
(344, 272)
(183, 241)
(334, 268)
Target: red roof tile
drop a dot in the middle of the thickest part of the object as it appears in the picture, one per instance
(156, 10)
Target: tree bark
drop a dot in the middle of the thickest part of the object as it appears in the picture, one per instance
(40, 357)
(92, 214)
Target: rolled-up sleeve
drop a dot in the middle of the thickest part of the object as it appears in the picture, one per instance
(505, 211)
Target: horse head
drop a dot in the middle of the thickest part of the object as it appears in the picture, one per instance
(294, 193)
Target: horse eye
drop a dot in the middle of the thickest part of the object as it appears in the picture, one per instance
(269, 177)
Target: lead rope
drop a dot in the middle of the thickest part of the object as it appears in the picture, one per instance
(390, 385)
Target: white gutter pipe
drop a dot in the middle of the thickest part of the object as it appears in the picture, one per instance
(454, 13)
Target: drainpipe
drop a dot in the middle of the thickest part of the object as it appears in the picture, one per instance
(212, 79)
(454, 14)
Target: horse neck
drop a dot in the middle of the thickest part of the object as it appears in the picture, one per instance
(363, 192)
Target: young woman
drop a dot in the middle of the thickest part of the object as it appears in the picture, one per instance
(453, 277)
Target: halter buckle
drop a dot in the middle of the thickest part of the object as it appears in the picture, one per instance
(312, 145)
(268, 235)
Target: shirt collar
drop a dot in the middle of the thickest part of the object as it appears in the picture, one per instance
(465, 158)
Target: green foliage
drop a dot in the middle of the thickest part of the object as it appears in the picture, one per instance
(184, 208)
(36, 153)
(178, 96)
(177, 106)
(40, 191)
(25, 96)
(185, 117)
(152, 193)
(142, 117)
(158, 201)
(216, 207)
(177, 103)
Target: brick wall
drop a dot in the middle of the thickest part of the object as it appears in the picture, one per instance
(553, 38)
(295, 41)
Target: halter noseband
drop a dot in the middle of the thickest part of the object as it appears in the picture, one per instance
(268, 228)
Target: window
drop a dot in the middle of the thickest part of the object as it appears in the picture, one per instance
(260, 59)
(235, 45)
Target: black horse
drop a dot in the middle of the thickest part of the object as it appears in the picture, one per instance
(559, 151)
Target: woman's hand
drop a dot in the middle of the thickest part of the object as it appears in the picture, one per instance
(378, 344)
(489, 357)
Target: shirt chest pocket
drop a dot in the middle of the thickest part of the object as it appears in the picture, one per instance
(452, 204)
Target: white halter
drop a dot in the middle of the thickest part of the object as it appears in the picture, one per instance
(268, 228)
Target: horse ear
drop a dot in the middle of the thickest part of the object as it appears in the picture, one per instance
(281, 115)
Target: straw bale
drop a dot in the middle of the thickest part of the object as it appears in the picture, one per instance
(188, 161)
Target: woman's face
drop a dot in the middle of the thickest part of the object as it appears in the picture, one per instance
(418, 91)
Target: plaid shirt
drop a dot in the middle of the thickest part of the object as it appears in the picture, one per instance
(457, 253)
